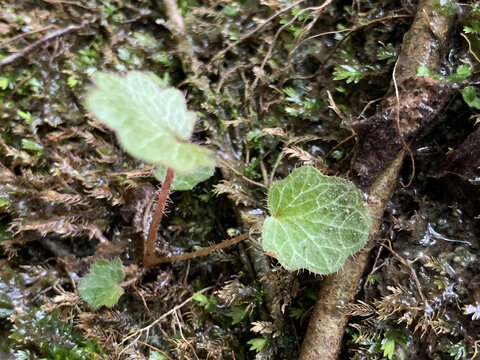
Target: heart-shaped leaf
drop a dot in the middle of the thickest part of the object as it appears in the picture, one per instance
(101, 287)
(317, 221)
(185, 181)
(151, 121)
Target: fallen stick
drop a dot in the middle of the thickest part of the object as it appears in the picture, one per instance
(378, 177)
(30, 48)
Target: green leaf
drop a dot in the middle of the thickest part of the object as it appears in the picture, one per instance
(458, 351)
(185, 181)
(4, 81)
(31, 145)
(26, 116)
(156, 356)
(230, 10)
(292, 95)
(348, 73)
(5, 201)
(392, 339)
(388, 347)
(423, 71)
(387, 52)
(146, 40)
(102, 284)
(462, 74)
(203, 301)
(317, 221)
(257, 344)
(237, 313)
(469, 95)
(28, 144)
(296, 312)
(72, 81)
(152, 122)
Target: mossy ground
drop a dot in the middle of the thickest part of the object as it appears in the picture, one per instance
(264, 106)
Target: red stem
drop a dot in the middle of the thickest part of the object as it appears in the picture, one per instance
(149, 255)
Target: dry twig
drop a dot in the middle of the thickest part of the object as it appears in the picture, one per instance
(30, 48)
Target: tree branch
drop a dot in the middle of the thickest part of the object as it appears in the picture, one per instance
(28, 49)
(421, 47)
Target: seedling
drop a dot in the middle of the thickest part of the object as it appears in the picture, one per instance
(317, 221)
(154, 125)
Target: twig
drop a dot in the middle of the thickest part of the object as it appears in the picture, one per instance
(397, 123)
(133, 280)
(154, 348)
(337, 111)
(174, 17)
(409, 266)
(143, 299)
(348, 138)
(202, 252)
(352, 31)
(314, 37)
(475, 344)
(230, 167)
(370, 103)
(250, 33)
(275, 166)
(470, 47)
(272, 44)
(19, 36)
(53, 35)
(326, 328)
(164, 191)
(161, 318)
(374, 267)
(23, 81)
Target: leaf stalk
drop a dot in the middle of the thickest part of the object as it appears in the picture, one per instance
(149, 256)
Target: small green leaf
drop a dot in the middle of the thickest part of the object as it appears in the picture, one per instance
(317, 221)
(463, 73)
(237, 313)
(257, 344)
(387, 52)
(72, 81)
(162, 59)
(388, 347)
(200, 298)
(458, 351)
(156, 356)
(4, 81)
(185, 181)
(392, 339)
(146, 40)
(101, 287)
(423, 71)
(439, 284)
(292, 95)
(26, 116)
(469, 95)
(348, 73)
(152, 123)
(296, 312)
(205, 302)
(31, 145)
(123, 53)
(230, 10)
(5, 201)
